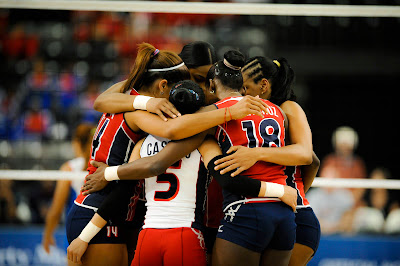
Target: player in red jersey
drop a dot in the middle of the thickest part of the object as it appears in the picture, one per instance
(254, 230)
(112, 143)
(272, 79)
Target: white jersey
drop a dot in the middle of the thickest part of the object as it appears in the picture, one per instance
(77, 165)
(175, 198)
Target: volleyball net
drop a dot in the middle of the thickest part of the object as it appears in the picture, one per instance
(54, 175)
(210, 8)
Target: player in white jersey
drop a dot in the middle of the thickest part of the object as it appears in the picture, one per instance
(175, 202)
(67, 190)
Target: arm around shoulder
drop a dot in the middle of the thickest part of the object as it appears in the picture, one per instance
(113, 100)
(299, 131)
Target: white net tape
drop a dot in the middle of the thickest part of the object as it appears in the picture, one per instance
(209, 8)
(46, 175)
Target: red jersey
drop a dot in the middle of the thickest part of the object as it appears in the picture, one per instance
(253, 131)
(112, 144)
(295, 180)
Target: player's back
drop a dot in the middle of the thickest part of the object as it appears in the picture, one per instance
(253, 131)
(112, 144)
(176, 197)
(295, 180)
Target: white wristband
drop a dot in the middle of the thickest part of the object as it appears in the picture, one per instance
(89, 232)
(111, 173)
(274, 190)
(140, 102)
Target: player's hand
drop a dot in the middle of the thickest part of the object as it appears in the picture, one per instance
(76, 250)
(95, 181)
(161, 106)
(248, 105)
(240, 158)
(290, 197)
(47, 241)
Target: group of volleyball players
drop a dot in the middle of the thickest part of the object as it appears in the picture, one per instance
(241, 140)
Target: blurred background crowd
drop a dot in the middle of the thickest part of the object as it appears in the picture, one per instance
(55, 63)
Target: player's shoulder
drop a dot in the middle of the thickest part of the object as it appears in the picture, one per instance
(274, 110)
(228, 101)
(77, 162)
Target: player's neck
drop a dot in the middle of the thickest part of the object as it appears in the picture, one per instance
(145, 92)
(226, 94)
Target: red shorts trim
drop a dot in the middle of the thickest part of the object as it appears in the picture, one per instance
(176, 246)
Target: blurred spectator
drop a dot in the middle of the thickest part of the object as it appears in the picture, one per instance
(370, 217)
(392, 224)
(7, 202)
(334, 207)
(329, 205)
(86, 102)
(379, 213)
(36, 120)
(343, 163)
(20, 44)
(68, 85)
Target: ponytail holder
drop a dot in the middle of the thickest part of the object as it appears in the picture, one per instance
(277, 63)
(156, 52)
(229, 65)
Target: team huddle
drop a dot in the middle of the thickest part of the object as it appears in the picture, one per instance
(198, 162)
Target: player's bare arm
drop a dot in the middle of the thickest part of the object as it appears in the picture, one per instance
(80, 244)
(113, 100)
(143, 167)
(191, 124)
(60, 197)
(309, 172)
(243, 185)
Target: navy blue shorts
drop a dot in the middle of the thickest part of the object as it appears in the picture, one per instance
(259, 226)
(308, 230)
(78, 217)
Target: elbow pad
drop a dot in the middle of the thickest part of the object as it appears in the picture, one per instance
(239, 185)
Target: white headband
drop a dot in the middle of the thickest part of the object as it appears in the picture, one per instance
(165, 69)
(226, 63)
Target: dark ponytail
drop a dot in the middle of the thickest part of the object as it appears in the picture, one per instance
(196, 54)
(277, 72)
(83, 134)
(148, 57)
(228, 71)
(187, 96)
(282, 84)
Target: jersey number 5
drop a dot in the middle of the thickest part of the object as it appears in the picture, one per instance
(173, 182)
(269, 130)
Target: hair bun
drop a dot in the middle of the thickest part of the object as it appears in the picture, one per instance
(235, 58)
(187, 96)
